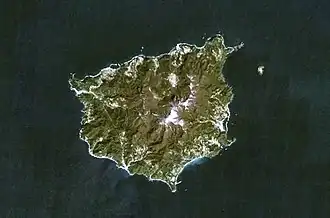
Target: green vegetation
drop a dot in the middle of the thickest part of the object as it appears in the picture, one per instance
(152, 115)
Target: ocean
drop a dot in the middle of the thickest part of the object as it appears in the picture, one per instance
(278, 166)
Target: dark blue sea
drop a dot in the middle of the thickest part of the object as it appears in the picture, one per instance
(279, 165)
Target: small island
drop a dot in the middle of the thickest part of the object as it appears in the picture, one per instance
(154, 114)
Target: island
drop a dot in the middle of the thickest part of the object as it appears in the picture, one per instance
(152, 115)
